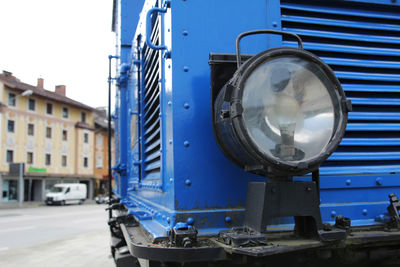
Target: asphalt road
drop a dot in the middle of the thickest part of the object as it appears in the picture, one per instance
(69, 235)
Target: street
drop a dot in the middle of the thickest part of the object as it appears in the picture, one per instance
(69, 235)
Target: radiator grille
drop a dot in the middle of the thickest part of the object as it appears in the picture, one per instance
(151, 135)
(361, 43)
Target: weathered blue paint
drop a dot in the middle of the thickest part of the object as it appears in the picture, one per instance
(192, 181)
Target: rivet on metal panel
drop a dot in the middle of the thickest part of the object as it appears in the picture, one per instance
(169, 66)
(185, 68)
(274, 24)
(348, 182)
(380, 217)
(379, 181)
(333, 214)
(167, 54)
(170, 141)
(365, 212)
(168, 219)
(188, 182)
(186, 144)
(228, 219)
(169, 103)
(171, 180)
(186, 106)
(308, 189)
(185, 33)
(190, 221)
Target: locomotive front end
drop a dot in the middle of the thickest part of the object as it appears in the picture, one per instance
(276, 149)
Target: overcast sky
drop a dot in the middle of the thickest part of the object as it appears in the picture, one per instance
(63, 41)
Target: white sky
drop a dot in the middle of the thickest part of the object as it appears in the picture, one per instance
(63, 41)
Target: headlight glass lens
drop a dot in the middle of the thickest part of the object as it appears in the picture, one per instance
(288, 111)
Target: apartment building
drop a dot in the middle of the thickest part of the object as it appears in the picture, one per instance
(101, 150)
(51, 133)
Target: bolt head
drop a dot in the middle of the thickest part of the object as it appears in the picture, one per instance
(190, 221)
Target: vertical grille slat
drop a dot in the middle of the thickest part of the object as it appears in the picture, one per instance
(151, 139)
(360, 42)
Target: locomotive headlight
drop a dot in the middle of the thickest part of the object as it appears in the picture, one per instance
(282, 113)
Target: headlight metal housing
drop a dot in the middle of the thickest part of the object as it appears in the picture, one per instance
(233, 136)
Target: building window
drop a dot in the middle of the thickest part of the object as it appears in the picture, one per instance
(85, 162)
(64, 161)
(10, 126)
(29, 157)
(48, 159)
(65, 113)
(48, 132)
(83, 117)
(31, 104)
(86, 138)
(64, 135)
(12, 99)
(49, 108)
(10, 156)
(99, 141)
(99, 162)
(31, 129)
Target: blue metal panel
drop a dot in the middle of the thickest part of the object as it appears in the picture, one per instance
(362, 62)
(129, 17)
(204, 177)
(340, 23)
(379, 127)
(341, 11)
(347, 48)
(374, 156)
(375, 116)
(364, 54)
(363, 169)
(370, 142)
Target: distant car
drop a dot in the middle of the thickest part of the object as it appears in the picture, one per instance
(62, 194)
(100, 199)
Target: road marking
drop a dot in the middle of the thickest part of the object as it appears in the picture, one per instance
(6, 230)
(3, 249)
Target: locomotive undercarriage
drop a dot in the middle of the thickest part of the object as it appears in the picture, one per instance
(131, 245)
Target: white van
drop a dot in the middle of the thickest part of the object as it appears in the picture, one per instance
(66, 194)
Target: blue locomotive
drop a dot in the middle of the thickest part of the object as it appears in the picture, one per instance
(256, 132)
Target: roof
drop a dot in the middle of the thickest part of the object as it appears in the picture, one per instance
(101, 120)
(15, 84)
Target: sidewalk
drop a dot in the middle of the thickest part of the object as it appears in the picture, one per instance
(90, 249)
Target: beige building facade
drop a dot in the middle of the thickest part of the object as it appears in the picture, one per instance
(49, 132)
(101, 151)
